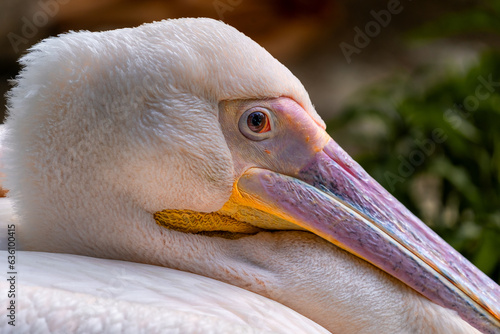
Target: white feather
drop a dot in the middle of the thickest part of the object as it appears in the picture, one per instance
(62, 293)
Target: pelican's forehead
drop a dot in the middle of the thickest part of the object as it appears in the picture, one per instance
(217, 62)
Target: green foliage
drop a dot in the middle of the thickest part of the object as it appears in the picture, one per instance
(434, 143)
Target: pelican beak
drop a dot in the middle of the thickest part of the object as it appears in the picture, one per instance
(331, 196)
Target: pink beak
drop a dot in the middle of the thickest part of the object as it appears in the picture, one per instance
(333, 197)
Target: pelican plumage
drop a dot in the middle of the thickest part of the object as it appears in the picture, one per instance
(184, 144)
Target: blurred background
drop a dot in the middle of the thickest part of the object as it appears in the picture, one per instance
(411, 89)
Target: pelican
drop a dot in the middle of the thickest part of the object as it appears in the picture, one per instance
(183, 144)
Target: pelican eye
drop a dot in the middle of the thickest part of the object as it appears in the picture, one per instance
(256, 123)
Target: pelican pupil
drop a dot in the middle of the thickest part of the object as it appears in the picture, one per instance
(256, 121)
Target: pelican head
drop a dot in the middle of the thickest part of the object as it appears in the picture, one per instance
(184, 144)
